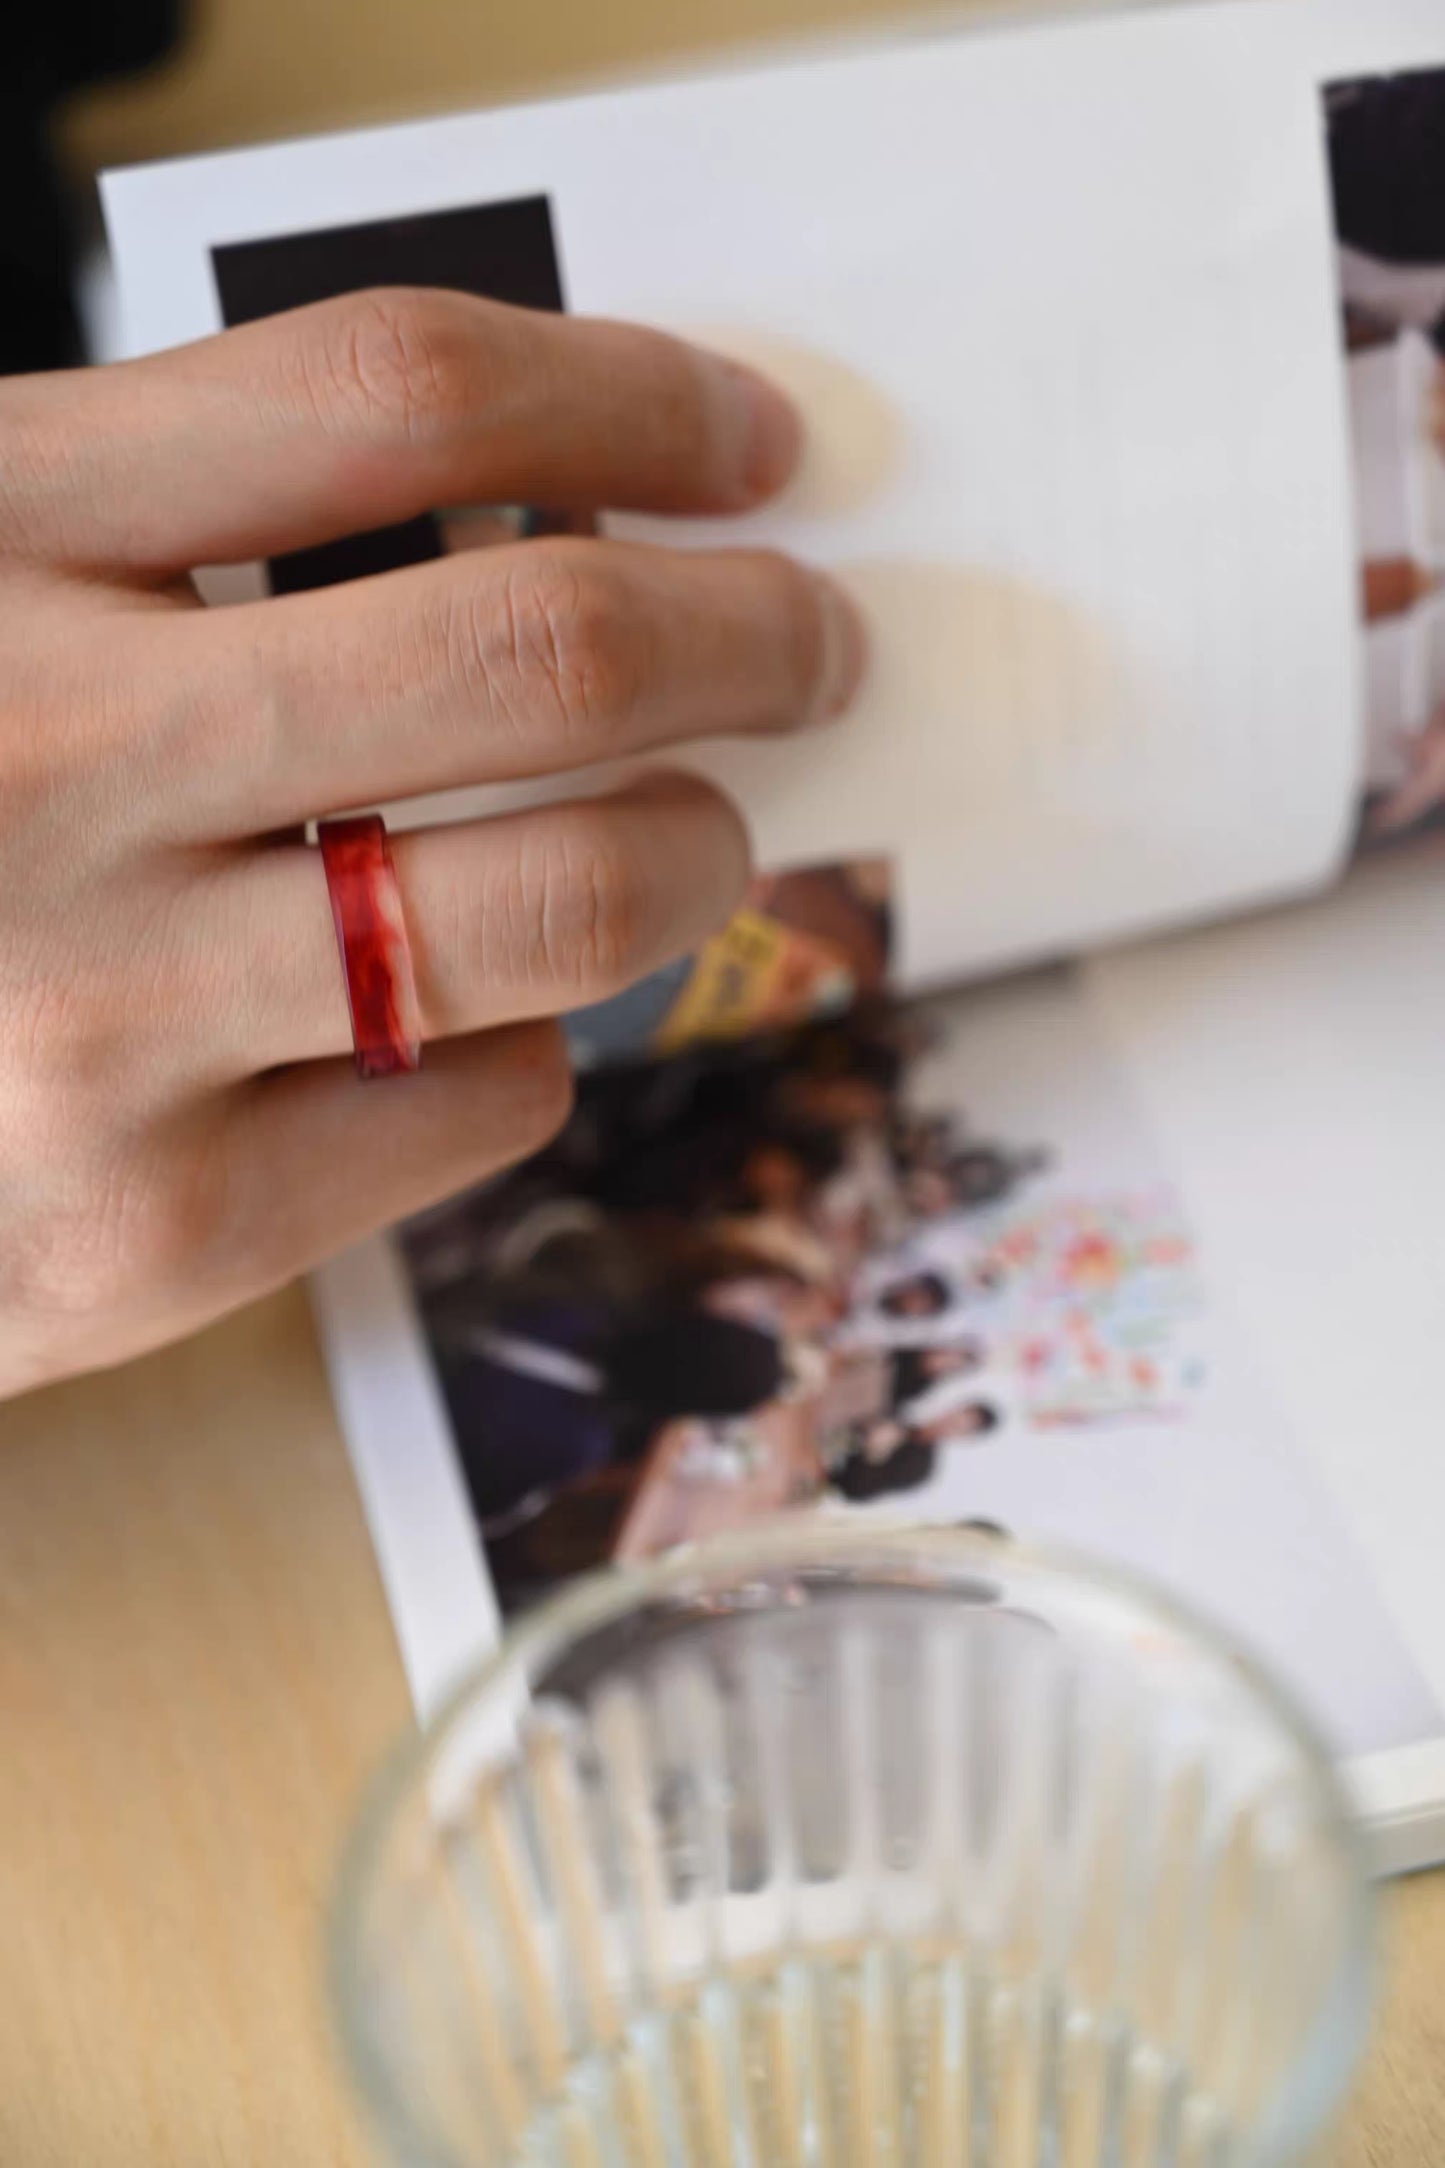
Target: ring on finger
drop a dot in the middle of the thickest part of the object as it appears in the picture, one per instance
(371, 936)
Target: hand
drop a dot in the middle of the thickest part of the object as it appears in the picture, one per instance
(180, 1125)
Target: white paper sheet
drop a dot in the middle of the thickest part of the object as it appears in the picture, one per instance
(1058, 304)
(1294, 1070)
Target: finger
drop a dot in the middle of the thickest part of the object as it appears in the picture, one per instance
(320, 1160)
(371, 409)
(506, 663)
(511, 919)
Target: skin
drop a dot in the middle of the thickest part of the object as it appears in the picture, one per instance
(964, 1422)
(881, 1440)
(949, 1362)
(180, 1124)
(930, 1192)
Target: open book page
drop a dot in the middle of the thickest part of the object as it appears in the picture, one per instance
(917, 1262)
(1292, 1067)
(1057, 301)
(1386, 135)
(922, 1262)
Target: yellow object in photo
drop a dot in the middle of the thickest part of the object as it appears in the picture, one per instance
(756, 973)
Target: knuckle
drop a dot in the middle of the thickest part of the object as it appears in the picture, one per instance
(596, 906)
(63, 1054)
(135, 1224)
(571, 648)
(99, 1030)
(157, 1222)
(396, 363)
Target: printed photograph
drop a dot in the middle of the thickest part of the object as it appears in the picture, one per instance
(1386, 138)
(776, 1274)
(806, 944)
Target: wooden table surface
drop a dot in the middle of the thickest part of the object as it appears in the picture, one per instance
(196, 1670)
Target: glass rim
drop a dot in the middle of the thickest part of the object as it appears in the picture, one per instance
(1321, 2072)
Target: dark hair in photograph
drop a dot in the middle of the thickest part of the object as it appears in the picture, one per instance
(895, 1300)
(911, 1370)
(908, 1467)
(688, 1363)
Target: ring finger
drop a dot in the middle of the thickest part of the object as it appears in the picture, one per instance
(527, 915)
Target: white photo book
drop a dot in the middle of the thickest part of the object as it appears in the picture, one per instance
(1053, 1141)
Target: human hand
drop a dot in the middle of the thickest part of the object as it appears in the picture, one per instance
(180, 1124)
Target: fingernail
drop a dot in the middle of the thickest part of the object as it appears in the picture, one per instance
(767, 431)
(845, 648)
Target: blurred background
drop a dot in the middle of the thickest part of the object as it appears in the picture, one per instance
(253, 68)
(89, 83)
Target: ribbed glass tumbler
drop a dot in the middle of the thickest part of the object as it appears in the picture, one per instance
(857, 1847)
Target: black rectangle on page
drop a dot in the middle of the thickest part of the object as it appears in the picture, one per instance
(499, 251)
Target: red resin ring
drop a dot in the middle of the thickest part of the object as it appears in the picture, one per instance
(375, 952)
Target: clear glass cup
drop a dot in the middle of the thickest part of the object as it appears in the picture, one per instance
(857, 1847)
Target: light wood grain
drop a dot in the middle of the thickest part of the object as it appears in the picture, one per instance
(1398, 2120)
(196, 1667)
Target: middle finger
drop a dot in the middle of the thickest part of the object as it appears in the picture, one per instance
(507, 663)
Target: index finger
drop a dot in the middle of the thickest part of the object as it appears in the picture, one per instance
(365, 411)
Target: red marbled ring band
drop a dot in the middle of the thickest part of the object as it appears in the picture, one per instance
(375, 953)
